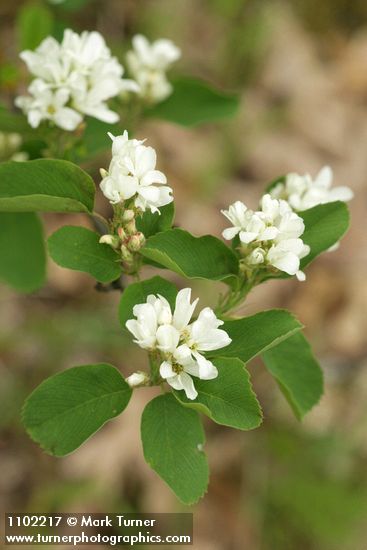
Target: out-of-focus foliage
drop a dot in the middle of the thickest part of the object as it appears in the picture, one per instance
(285, 486)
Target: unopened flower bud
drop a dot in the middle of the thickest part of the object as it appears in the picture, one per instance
(141, 237)
(14, 141)
(121, 233)
(137, 379)
(112, 240)
(128, 215)
(136, 242)
(130, 227)
(103, 173)
(126, 254)
(257, 256)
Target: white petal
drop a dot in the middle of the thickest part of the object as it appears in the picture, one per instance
(183, 355)
(268, 234)
(101, 112)
(230, 233)
(247, 237)
(146, 316)
(145, 160)
(166, 371)
(132, 326)
(207, 371)
(287, 262)
(301, 276)
(188, 385)
(153, 176)
(167, 338)
(324, 178)
(68, 119)
(183, 310)
(341, 193)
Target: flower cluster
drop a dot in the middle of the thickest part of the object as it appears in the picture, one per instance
(268, 237)
(73, 79)
(132, 176)
(178, 343)
(125, 238)
(148, 64)
(302, 192)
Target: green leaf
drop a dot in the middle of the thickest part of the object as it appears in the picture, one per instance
(255, 334)
(172, 438)
(67, 408)
(137, 293)
(193, 257)
(325, 224)
(22, 251)
(73, 5)
(13, 122)
(150, 224)
(194, 102)
(228, 399)
(297, 372)
(95, 136)
(45, 185)
(79, 248)
(34, 23)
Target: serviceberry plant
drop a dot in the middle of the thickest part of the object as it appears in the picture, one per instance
(196, 360)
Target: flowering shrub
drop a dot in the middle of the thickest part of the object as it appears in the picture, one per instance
(197, 359)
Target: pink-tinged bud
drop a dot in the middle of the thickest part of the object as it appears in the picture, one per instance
(126, 255)
(128, 215)
(134, 243)
(141, 237)
(130, 227)
(111, 240)
(103, 172)
(121, 233)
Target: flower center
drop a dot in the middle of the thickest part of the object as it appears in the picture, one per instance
(177, 368)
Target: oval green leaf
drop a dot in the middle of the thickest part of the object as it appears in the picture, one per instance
(227, 399)
(325, 225)
(79, 248)
(34, 23)
(173, 437)
(194, 102)
(257, 333)
(297, 372)
(66, 409)
(46, 185)
(150, 224)
(22, 251)
(192, 257)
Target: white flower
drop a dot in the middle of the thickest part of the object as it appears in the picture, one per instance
(302, 192)
(46, 104)
(247, 224)
(277, 214)
(286, 255)
(155, 312)
(148, 64)
(132, 173)
(269, 237)
(180, 344)
(80, 73)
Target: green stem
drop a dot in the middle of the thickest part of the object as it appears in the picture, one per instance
(236, 296)
(154, 363)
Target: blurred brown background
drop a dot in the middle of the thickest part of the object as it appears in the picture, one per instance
(301, 70)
